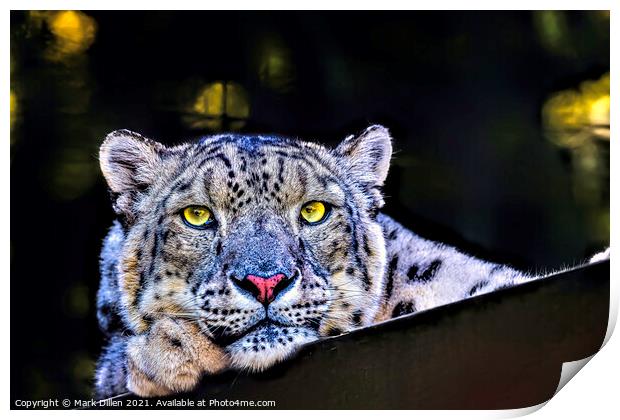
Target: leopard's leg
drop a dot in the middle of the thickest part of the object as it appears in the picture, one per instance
(171, 358)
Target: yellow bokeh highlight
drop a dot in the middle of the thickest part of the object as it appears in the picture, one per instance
(275, 65)
(74, 173)
(575, 115)
(237, 101)
(13, 108)
(210, 100)
(74, 32)
(577, 120)
(599, 110)
(553, 31)
(218, 104)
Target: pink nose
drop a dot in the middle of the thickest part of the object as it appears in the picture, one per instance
(265, 286)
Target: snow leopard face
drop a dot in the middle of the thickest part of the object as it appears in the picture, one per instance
(265, 243)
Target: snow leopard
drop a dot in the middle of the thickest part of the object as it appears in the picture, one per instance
(234, 251)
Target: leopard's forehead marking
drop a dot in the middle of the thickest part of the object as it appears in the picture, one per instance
(247, 142)
(233, 172)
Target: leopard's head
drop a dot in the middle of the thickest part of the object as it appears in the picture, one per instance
(266, 243)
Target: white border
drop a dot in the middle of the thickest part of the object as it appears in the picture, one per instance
(593, 393)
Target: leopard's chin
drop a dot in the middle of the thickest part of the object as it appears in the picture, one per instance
(267, 345)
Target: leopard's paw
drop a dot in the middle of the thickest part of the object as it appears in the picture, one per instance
(171, 357)
(143, 386)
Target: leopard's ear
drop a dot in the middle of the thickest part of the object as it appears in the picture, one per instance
(130, 163)
(368, 155)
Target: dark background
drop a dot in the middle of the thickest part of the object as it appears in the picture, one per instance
(481, 161)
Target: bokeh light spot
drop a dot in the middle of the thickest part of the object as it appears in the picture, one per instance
(77, 300)
(577, 120)
(74, 32)
(210, 100)
(219, 105)
(237, 102)
(13, 108)
(573, 117)
(553, 33)
(82, 371)
(275, 65)
(74, 173)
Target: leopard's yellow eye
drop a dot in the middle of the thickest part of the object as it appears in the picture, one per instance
(313, 212)
(197, 216)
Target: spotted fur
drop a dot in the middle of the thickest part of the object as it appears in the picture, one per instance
(170, 300)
